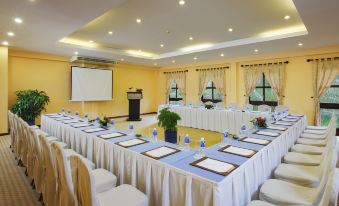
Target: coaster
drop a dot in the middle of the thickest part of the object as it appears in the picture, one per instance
(160, 152)
(255, 140)
(112, 135)
(238, 151)
(131, 142)
(271, 134)
(215, 166)
(94, 130)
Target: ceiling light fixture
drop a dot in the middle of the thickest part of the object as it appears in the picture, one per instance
(122, 60)
(161, 45)
(300, 44)
(18, 20)
(76, 53)
(5, 43)
(196, 47)
(155, 64)
(173, 61)
(195, 58)
(182, 2)
(110, 32)
(138, 20)
(222, 54)
(10, 33)
(139, 53)
(190, 38)
(230, 29)
(287, 17)
(256, 50)
(91, 41)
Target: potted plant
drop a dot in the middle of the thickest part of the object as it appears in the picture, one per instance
(104, 122)
(169, 120)
(30, 104)
(259, 122)
(209, 105)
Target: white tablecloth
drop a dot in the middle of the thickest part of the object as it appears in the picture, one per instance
(217, 120)
(167, 185)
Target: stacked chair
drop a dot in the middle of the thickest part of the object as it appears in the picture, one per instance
(307, 176)
(47, 163)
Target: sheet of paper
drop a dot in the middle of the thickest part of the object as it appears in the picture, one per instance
(160, 152)
(256, 141)
(215, 165)
(111, 135)
(63, 118)
(296, 115)
(277, 128)
(81, 125)
(132, 142)
(289, 120)
(94, 130)
(272, 134)
(283, 123)
(239, 151)
(71, 121)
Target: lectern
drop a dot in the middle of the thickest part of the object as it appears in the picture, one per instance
(134, 106)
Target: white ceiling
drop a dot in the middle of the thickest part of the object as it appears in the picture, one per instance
(63, 27)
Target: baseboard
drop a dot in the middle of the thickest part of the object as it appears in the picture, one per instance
(127, 115)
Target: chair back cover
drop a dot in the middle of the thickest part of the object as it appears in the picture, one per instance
(83, 182)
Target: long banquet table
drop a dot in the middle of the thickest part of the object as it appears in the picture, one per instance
(172, 180)
(213, 119)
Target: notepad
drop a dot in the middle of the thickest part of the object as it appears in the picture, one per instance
(160, 152)
(94, 130)
(112, 135)
(255, 141)
(296, 115)
(237, 151)
(277, 128)
(289, 120)
(71, 121)
(81, 125)
(63, 118)
(132, 142)
(213, 165)
(55, 114)
(272, 134)
(283, 123)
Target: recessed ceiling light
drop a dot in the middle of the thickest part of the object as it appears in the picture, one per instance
(110, 32)
(155, 64)
(256, 50)
(190, 38)
(138, 20)
(173, 61)
(287, 17)
(222, 54)
(91, 41)
(230, 29)
(18, 20)
(195, 58)
(76, 53)
(5, 43)
(300, 44)
(182, 2)
(122, 60)
(161, 45)
(10, 33)
(31, 0)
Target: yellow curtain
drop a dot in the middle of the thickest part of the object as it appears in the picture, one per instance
(251, 78)
(275, 74)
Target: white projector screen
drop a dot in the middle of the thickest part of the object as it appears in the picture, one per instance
(91, 84)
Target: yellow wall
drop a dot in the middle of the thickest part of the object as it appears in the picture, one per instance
(298, 91)
(3, 89)
(51, 74)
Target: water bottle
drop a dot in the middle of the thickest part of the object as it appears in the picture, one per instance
(69, 113)
(155, 134)
(97, 119)
(63, 111)
(111, 122)
(226, 135)
(187, 142)
(202, 147)
(131, 128)
(76, 114)
(243, 131)
(86, 117)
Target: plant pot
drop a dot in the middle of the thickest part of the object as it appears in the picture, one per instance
(31, 122)
(171, 137)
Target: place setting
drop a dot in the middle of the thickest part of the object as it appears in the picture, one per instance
(213, 165)
(235, 150)
(160, 152)
(112, 135)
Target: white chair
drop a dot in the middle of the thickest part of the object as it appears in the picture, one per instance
(84, 188)
(248, 107)
(264, 108)
(259, 203)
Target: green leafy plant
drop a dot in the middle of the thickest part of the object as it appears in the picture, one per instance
(104, 122)
(168, 120)
(30, 104)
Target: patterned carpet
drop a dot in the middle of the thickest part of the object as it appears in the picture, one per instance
(15, 189)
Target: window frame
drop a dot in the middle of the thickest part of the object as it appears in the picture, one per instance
(264, 87)
(176, 94)
(331, 105)
(211, 100)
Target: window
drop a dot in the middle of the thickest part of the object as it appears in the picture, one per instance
(175, 93)
(329, 103)
(263, 93)
(211, 93)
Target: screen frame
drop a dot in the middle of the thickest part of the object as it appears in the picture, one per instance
(71, 87)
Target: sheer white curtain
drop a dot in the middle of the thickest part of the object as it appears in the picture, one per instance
(324, 73)
(168, 81)
(251, 77)
(275, 74)
(217, 76)
(180, 78)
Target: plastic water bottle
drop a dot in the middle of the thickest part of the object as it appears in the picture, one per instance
(131, 128)
(202, 147)
(97, 119)
(111, 122)
(155, 134)
(86, 117)
(63, 111)
(76, 114)
(187, 142)
(243, 129)
(69, 113)
(226, 135)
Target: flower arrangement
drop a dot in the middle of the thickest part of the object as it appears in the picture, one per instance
(259, 122)
(104, 121)
(209, 105)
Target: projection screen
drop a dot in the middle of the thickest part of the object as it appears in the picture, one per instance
(91, 84)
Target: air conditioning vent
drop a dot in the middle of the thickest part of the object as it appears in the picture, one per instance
(92, 60)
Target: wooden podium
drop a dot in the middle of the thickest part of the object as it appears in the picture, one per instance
(134, 106)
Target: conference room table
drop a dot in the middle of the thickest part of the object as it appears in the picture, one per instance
(217, 119)
(174, 179)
